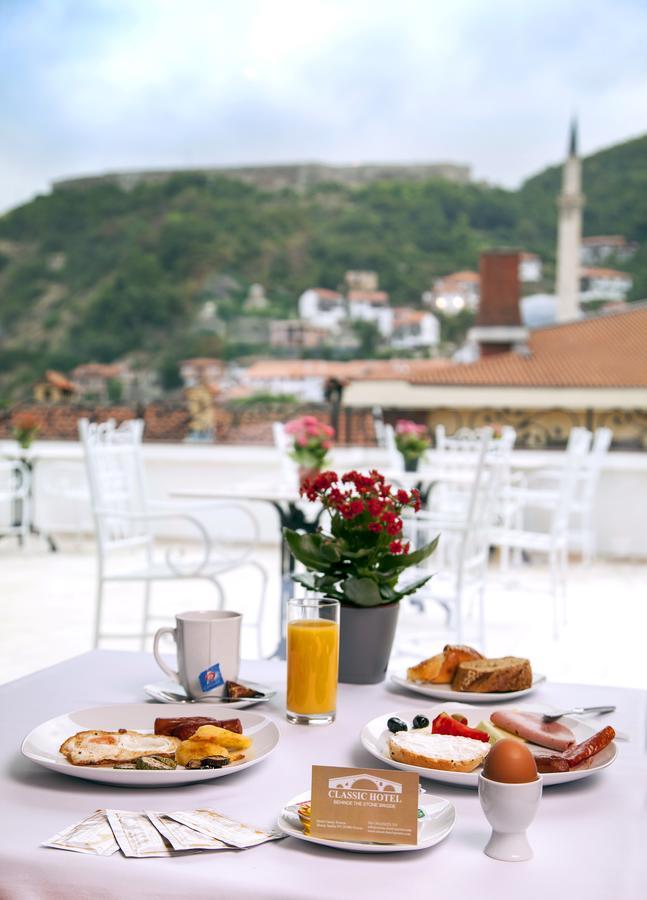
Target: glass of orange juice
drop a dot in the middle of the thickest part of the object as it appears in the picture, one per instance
(313, 660)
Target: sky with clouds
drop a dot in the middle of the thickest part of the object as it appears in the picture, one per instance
(101, 85)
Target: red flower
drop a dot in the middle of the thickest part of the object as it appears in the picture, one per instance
(403, 497)
(375, 526)
(395, 547)
(375, 506)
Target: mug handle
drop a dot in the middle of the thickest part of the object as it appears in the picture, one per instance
(158, 659)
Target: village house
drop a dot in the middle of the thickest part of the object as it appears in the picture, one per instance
(604, 284)
(322, 308)
(454, 293)
(371, 306)
(600, 248)
(201, 370)
(295, 334)
(414, 329)
(54, 387)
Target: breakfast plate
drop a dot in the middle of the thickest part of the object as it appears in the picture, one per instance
(375, 738)
(434, 827)
(446, 692)
(42, 744)
(168, 691)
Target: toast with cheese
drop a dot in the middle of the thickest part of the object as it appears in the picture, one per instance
(437, 751)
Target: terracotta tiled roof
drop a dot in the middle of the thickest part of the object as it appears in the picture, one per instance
(604, 239)
(327, 294)
(378, 297)
(462, 276)
(201, 361)
(603, 273)
(606, 351)
(99, 370)
(404, 315)
(359, 369)
(58, 380)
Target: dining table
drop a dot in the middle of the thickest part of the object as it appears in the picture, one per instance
(589, 837)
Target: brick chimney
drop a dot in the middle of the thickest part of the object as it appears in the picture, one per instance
(498, 327)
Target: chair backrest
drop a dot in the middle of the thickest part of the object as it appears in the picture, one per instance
(379, 427)
(283, 445)
(394, 457)
(575, 460)
(602, 438)
(116, 481)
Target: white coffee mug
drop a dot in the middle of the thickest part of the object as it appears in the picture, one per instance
(208, 651)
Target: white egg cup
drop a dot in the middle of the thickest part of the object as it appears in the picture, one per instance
(510, 809)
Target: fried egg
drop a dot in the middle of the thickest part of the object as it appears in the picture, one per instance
(99, 748)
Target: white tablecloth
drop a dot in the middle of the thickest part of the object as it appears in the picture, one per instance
(589, 838)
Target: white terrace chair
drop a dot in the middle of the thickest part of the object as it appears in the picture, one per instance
(15, 512)
(395, 460)
(461, 560)
(557, 504)
(124, 520)
(581, 530)
(289, 469)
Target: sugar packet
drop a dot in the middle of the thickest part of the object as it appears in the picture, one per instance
(215, 825)
(181, 837)
(136, 834)
(92, 835)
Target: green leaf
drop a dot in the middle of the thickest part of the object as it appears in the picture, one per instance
(362, 591)
(417, 556)
(306, 548)
(414, 586)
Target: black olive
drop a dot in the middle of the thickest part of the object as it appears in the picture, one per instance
(420, 722)
(394, 725)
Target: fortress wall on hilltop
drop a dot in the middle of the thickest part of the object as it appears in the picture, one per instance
(275, 178)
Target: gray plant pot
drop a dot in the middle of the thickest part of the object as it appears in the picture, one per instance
(365, 641)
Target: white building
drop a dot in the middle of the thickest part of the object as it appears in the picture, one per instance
(361, 280)
(604, 284)
(454, 293)
(372, 306)
(414, 329)
(600, 248)
(530, 268)
(322, 308)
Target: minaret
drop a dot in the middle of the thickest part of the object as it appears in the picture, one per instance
(569, 234)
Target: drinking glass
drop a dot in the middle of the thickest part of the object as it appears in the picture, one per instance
(313, 660)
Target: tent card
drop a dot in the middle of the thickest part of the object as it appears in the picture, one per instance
(377, 805)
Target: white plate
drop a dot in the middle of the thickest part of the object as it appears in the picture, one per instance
(446, 692)
(375, 736)
(42, 744)
(438, 822)
(171, 692)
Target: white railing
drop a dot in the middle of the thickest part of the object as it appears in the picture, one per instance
(620, 516)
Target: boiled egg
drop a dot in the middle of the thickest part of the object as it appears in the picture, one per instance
(510, 762)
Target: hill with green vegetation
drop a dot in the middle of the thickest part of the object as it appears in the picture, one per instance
(100, 273)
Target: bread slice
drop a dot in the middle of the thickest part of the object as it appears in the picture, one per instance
(508, 673)
(440, 669)
(438, 751)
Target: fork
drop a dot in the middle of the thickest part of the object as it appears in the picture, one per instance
(578, 711)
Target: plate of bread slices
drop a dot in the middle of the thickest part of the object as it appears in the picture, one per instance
(462, 673)
(144, 745)
(450, 742)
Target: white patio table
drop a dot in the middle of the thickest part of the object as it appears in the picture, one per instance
(589, 837)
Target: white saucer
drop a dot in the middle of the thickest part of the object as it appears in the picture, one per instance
(446, 692)
(42, 744)
(171, 692)
(375, 738)
(439, 819)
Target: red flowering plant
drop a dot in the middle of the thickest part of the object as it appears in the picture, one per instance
(311, 441)
(361, 559)
(411, 439)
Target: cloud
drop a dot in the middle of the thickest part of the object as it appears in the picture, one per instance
(110, 84)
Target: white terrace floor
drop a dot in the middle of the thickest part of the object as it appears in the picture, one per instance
(47, 606)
